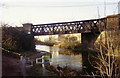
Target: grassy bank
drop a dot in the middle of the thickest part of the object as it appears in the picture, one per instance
(48, 43)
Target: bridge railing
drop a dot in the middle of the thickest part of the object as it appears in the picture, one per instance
(84, 26)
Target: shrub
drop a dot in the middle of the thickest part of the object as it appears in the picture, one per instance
(16, 39)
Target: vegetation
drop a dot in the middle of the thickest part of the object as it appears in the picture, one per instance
(16, 39)
(106, 61)
(48, 43)
(69, 42)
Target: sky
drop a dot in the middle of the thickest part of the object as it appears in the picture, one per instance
(17, 12)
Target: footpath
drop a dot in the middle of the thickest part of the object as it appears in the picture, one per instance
(10, 66)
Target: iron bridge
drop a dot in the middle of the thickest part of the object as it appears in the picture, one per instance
(85, 26)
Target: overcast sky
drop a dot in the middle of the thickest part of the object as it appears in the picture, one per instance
(17, 12)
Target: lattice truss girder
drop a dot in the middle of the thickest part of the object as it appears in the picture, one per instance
(69, 27)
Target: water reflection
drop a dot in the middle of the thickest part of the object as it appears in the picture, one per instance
(62, 57)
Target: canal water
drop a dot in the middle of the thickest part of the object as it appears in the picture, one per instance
(62, 57)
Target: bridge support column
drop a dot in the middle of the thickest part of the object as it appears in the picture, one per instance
(28, 29)
(88, 39)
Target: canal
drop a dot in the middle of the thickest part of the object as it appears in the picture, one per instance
(62, 57)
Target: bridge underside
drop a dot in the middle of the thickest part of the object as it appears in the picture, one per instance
(88, 39)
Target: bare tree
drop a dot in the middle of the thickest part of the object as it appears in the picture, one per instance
(107, 58)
